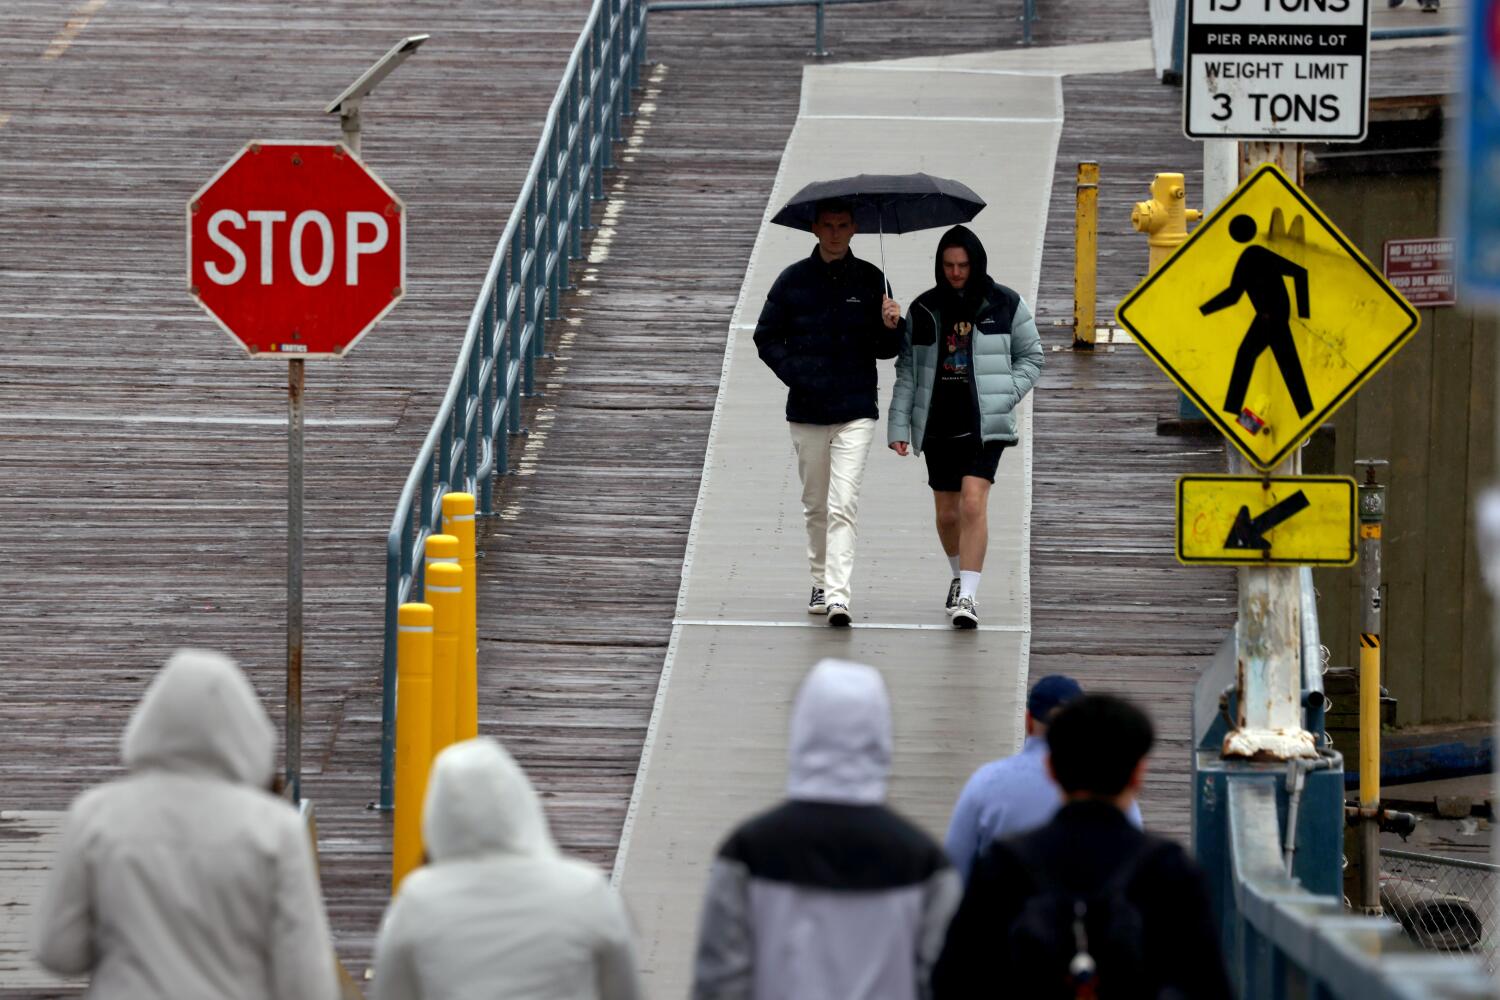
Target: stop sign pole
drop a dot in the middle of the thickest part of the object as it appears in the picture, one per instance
(296, 250)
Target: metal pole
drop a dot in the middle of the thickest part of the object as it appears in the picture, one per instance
(350, 124)
(1028, 14)
(819, 51)
(1268, 723)
(295, 385)
(1085, 255)
(1371, 516)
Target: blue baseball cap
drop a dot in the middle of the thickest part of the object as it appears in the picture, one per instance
(1051, 693)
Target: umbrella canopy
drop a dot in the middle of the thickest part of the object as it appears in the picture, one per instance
(886, 203)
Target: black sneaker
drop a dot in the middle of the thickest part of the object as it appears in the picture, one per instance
(965, 615)
(953, 591)
(838, 616)
(817, 604)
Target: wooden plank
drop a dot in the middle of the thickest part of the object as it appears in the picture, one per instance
(1445, 510)
(1476, 678)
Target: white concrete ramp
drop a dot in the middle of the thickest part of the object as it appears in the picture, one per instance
(743, 640)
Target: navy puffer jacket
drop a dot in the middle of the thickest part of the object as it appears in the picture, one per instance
(821, 333)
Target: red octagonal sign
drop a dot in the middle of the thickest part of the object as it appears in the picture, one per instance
(296, 249)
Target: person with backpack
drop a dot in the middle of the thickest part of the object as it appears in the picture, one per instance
(1087, 905)
(972, 354)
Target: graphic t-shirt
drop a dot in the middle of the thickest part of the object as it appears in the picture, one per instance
(953, 413)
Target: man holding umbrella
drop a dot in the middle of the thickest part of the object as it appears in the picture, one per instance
(826, 320)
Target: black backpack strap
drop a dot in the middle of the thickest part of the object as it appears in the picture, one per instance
(1122, 877)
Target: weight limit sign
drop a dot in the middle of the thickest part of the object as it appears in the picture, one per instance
(1292, 70)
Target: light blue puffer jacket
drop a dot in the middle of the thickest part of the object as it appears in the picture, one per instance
(1008, 361)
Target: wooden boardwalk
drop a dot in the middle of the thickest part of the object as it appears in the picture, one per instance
(143, 456)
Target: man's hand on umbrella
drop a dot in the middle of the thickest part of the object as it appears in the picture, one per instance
(890, 312)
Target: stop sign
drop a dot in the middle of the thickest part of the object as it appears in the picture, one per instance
(296, 249)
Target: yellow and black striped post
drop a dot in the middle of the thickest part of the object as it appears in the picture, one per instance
(413, 735)
(458, 521)
(1371, 517)
(1369, 719)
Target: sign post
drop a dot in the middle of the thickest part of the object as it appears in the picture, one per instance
(296, 250)
(1268, 319)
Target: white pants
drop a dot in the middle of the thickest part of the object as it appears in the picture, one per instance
(831, 461)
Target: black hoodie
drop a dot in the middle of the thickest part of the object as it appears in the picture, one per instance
(955, 407)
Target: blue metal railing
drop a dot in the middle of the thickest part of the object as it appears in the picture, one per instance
(466, 446)
(1028, 12)
(819, 50)
(1284, 941)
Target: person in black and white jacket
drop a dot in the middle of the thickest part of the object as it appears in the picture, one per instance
(831, 894)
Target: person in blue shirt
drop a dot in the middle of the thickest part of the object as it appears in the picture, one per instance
(1014, 795)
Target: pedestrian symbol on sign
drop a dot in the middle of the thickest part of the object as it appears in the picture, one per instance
(1260, 273)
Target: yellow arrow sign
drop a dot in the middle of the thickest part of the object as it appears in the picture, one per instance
(1267, 317)
(1272, 521)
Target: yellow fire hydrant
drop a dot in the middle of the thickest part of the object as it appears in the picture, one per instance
(1165, 217)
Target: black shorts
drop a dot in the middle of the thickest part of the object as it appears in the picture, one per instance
(948, 461)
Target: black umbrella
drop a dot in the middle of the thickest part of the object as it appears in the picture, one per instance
(886, 203)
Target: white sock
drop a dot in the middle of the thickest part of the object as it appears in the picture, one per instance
(968, 583)
(953, 564)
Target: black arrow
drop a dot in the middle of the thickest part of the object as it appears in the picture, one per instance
(1249, 533)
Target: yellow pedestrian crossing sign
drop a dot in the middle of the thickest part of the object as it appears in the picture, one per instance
(1266, 521)
(1268, 318)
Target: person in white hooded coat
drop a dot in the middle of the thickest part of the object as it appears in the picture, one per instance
(498, 913)
(830, 895)
(188, 878)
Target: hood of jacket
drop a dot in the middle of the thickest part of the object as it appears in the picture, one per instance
(979, 263)
(200, 715)
(840, 736)
(479, 801)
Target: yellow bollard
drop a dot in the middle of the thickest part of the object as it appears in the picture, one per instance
(458, 521)
(445, 593)
(1369, 719)
(1085, 256)
(442, 549)
(413, 735)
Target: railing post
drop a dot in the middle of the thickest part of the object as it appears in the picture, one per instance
(818, 49)
(493, 438)
(533, 321)
(515, 320)
(643, 57)
(395, 551)
(598, 145)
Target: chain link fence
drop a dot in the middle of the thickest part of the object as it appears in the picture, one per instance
(1445, 904)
